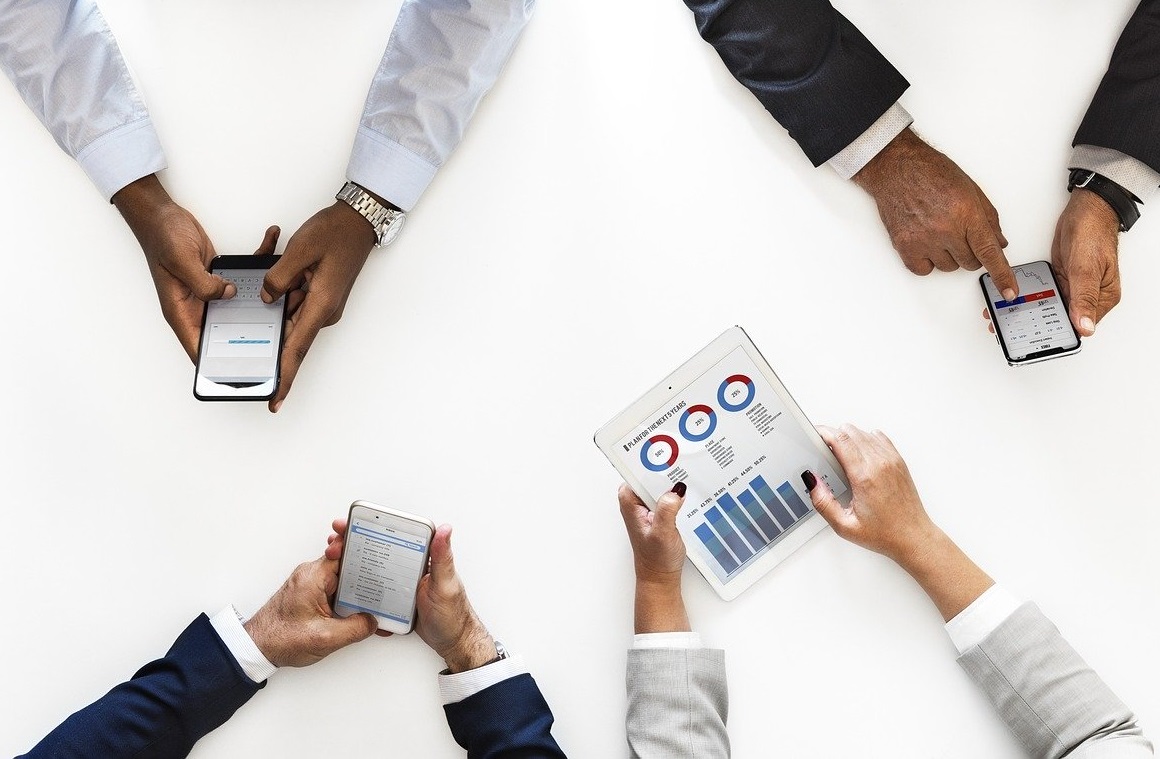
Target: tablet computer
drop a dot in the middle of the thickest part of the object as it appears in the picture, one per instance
(725, 426)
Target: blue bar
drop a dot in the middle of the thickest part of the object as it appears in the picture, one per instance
(714, 545)
(786, 491)
(737, 517)
(728, 534)
(767, 525)
(770, 500)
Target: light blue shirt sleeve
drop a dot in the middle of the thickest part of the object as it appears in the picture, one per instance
(442, 58)
(66, 65)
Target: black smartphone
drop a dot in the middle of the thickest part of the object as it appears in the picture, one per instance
(1034, 326)
(241, 338)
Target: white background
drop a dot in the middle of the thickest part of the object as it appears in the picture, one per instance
(619, 201)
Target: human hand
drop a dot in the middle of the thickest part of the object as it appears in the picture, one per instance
(178, 253)
(444, 617)
(936, 216)
(885, 513)
(323, 259)
(297, 628)
(1084, 253)
(658, 554)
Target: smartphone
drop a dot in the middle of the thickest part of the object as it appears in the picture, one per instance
(1034, 326)
(241, 338)
(384, 555)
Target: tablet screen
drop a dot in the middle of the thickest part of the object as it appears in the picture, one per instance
(732, 440)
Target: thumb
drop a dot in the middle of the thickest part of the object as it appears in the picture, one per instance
(442, 560)
(665, 516)
(1085, 298)
(269, 241)
(352, 629)
(825, 503)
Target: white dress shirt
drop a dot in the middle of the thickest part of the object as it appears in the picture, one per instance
(227, 623)
(442, 58)
(1133, 175)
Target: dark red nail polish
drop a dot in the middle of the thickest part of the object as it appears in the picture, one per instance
(810, 480)
(680, 489)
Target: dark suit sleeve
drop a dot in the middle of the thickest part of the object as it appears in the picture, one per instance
(1125, 113)
(809, 66)
(167, 706)
(510, 719)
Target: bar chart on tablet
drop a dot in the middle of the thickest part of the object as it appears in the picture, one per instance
(738, 527)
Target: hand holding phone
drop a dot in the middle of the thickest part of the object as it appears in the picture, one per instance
(384, 556)
(1034, 326)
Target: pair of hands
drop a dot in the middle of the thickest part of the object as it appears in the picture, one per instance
(317, 270)
(885, 515)
(938, 218)
(297, 626)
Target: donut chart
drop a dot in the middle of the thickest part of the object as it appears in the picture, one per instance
(659, 453)
(697, 423)
(734, 386)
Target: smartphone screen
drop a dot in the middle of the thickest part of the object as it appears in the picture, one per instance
(1035, 325)
(241, 338)
(383, 558)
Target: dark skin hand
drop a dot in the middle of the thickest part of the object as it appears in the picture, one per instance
(178, 253)
(322, 260)
(936, 216)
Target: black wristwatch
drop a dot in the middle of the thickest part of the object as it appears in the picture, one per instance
(1121, 201)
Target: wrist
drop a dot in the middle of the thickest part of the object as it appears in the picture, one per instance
(142, 199)
(472, 649)
(1094, 207)
(660, 607)
(897, 153)
(356, 223)
(923, 550)
(258, 631)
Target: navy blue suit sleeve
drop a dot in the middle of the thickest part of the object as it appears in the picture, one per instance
(807, 64)
(1125, 113)
(167, 706)
(510, 719)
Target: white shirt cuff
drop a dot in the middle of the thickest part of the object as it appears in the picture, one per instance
(228, 625)
(667, 640)
(1133, 175)
(455, 688)
(388, 169)
(974, 623)
(858, 153)
(122, 156)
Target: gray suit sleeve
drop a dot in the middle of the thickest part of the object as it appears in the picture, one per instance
(678, 703)
(1050, 698)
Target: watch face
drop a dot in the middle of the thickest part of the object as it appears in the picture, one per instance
(392, 229)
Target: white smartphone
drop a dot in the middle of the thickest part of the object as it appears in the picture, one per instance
(1034, 326)
(241, 338)
(384, 555)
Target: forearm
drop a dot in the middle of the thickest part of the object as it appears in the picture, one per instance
(951, 579)
(815, 73)
(442, 58)
(64, 62)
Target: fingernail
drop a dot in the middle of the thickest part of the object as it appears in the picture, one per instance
(1008, 294)
(1087, 324)
(680, 489)
(810, 480)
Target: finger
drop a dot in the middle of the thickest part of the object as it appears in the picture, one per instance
(844, 446)
(293, 301)
(384, 633)
(944, 260)
(443, 560)
(269, 242)
(987, 313)
(203, 284)
(964, 258)
(304, 327)
(284, 276)
(838, 517)
(915, 260)
(352, 629)
(986, 247)
(993, 219)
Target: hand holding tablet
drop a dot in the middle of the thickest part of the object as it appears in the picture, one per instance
(725, 426)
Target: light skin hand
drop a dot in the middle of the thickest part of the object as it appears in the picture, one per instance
(297, 628)
(936, 216)
(178, 253)
(659, 558)
(323, 258)
(444, 617)
(886, 515)
(1085, 256)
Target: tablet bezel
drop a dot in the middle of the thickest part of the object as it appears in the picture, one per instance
(676, 383)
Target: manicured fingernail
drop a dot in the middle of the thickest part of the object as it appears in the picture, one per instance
(1008, 294)
(680, 489)
(810, 480)
(1087, 324)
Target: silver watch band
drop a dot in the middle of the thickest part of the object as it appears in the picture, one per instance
(380, 217)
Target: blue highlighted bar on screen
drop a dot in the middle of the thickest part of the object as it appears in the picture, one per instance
(709, 538)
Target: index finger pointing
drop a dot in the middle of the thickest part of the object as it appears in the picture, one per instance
(986, 246)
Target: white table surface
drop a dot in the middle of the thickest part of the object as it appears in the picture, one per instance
(619, 201)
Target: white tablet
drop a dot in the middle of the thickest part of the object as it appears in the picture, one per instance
(725, 426)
